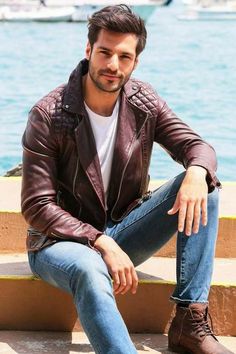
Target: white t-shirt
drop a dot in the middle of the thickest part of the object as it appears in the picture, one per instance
(104, 131)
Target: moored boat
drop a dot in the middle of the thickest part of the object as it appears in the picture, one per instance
(86, 10)
(210, 11)
(73, 10)
(39, 13)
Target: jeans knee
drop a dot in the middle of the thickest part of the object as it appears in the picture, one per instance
(176, 183)
(89, 278)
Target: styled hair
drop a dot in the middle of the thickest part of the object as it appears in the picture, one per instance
(117, 18)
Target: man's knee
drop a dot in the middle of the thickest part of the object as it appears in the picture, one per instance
(90, 275)
(176, 182)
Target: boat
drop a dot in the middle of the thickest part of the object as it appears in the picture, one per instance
(210, 11)
(36, 13)
(144, 8)
(101, 3)
(83, 12)
(73, 10)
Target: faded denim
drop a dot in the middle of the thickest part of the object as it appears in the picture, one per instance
(81, 271)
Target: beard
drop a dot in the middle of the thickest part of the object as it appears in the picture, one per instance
(103, 83)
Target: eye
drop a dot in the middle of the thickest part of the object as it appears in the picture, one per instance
(104, 52)
(125, 57)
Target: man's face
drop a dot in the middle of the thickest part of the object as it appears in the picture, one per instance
(112, 59)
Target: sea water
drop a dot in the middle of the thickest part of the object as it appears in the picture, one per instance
(191, 64)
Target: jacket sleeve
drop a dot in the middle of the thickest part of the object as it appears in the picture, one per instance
(39, 184)
(184, 145)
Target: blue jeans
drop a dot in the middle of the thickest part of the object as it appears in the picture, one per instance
(81, 271)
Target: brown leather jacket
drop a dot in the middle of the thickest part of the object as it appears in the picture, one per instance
(62, 190)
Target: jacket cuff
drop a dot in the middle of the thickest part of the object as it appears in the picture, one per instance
(212, 181)
(92, 241)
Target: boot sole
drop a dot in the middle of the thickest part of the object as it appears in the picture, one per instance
(178, 349)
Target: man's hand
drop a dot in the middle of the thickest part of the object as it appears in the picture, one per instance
(191, 201)
(119, 265)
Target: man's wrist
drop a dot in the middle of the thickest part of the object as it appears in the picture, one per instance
(101, 242)
(197, 170)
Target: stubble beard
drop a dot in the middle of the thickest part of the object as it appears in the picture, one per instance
(110, 86)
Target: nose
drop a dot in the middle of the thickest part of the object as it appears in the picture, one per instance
(113, 63)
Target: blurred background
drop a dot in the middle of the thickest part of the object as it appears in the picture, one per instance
(190, 60)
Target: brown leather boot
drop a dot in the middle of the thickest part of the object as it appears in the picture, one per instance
(190, 332)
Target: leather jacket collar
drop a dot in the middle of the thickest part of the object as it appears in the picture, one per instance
(73, 100)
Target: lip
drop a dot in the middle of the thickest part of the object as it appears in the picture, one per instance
(111, 77)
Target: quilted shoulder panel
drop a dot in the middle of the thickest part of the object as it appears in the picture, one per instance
(63, 122)
(145, 98)
(52, 102)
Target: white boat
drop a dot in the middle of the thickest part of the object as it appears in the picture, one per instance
(101, 3)
(84, 11)
(144, 8)
(82, 8)
(35, 13)
(208, 11)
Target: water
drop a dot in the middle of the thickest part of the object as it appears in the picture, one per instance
(191, 64)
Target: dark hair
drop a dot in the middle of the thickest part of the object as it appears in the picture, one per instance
(117, 18)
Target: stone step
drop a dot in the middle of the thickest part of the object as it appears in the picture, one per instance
(27, 303)
(12, 342)
(13, 227)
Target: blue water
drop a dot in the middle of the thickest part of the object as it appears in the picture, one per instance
(191, 64)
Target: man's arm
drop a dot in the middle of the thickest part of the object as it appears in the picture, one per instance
(183, 144)
(191, 201)
(40, 186)
(199, 159)
(119, 265)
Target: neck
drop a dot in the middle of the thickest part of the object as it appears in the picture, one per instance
(99, 101)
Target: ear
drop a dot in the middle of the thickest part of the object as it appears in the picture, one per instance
(136, 62)
(88, 51)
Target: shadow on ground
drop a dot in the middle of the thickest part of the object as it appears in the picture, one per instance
(69, 343)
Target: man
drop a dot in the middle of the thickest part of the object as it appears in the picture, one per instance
(87, 149)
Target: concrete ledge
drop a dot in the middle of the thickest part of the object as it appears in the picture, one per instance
(13, 231)
(10, 189)
(27, 303)
(13, 227)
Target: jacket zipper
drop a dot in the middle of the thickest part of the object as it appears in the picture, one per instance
(130, 152)
(122, 176)
(74, 180)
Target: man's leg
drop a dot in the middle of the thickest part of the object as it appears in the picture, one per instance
(144, 231)
(82, 272)
(148, 227)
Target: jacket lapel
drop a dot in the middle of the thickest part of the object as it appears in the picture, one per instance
(130, 122)
(88, 157)
(73, 101)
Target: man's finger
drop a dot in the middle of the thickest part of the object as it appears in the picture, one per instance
(189, 219)
(175, 207)
(129, 281)
(116, 281)
(181, 217)
(204, 212)
(135, 281)
(123, 282)
(197, 216)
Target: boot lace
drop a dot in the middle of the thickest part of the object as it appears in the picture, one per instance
(201, 324)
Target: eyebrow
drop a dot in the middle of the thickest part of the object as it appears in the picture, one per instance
(109, 50)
